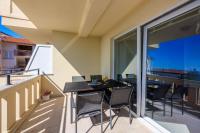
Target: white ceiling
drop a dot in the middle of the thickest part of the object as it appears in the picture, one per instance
(114, 14)
(85, 17)
(63, 15)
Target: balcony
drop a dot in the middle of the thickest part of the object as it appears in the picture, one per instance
(22, 110)
(25, 53)
(119, 40)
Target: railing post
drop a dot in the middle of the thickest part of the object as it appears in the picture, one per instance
(38, 71)
(8, 79)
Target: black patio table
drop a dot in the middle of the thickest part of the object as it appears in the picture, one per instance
(87, 86)
(80, 87)
(130, 80)
(84, 86)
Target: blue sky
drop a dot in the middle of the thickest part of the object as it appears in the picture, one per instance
(8, 31)
(180, 54)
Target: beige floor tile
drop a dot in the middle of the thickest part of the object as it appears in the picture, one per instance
(54, 117)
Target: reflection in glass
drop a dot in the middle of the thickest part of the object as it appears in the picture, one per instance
(125, 59)
(173, 73)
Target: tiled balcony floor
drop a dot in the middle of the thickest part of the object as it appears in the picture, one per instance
(187, 123)
(54, 117)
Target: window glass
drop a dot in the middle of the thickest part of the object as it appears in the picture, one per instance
(173, 73)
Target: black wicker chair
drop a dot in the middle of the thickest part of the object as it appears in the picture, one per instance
(75, 79)
(120, 97)
(113, 83)
(89, 105)
(96, 78)
(130, 76)
(119, 77)
(158, 95)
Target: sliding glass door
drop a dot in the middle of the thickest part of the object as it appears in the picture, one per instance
(171, 70)
(125, 50)
(125, 62)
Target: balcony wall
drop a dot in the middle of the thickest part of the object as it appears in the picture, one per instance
(17, 101)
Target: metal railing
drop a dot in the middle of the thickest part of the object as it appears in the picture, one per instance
(8, 76)
(12, 70)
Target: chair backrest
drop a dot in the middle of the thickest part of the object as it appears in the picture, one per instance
(162, 90)
(78, 78)
(113, 83)
(121, 96)
(96, 78)
(119, 77)
(130, 76)
(89, 102)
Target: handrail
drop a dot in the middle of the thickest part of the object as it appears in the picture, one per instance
(38, 71)
(186, 82)
(18, 71)
(10, 70)
(52, 81)
(9, 74)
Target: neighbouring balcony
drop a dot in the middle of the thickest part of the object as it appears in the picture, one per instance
(23, 53)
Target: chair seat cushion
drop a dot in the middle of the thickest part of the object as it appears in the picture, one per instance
(85, 106)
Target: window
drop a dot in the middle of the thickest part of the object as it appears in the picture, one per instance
(173, 72)
(8, 54)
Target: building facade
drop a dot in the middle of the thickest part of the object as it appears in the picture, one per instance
(14, 53)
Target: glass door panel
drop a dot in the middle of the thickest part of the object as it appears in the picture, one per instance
(173, 73)
(125, 62)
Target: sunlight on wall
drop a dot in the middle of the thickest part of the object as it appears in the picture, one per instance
(70, 43)
(4, 115)
(32, 94)
(38, 90)
(17, 106)
(26, 99)
(67, 67)
(12, 15)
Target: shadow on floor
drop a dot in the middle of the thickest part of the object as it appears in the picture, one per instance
(54, 117)
(47, 117)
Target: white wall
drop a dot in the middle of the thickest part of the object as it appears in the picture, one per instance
(41, 58)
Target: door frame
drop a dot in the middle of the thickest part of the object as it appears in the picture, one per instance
(138, 67)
